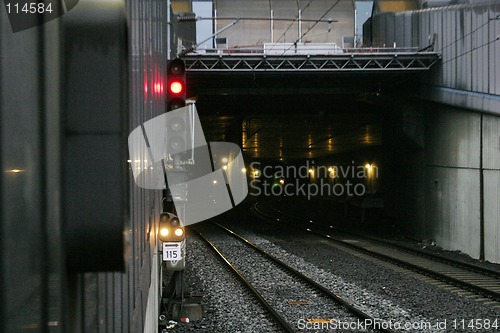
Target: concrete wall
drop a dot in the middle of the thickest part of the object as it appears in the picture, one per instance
(434, 191)
(403, 177)
(491, 165)
(468, 38)
(452, 188)
(258, 32)
(460, 160)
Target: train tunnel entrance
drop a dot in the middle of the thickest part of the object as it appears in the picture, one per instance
(416, 163)
(331, 125)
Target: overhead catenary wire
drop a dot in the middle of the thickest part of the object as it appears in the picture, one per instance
(470, 51)
(263, 19)
(289, 26)
(293, 20)
(311, 27)
(462, 38)
(470, 33)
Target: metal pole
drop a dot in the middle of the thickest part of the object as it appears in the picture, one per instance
(481, 192)
(299, 21)
(272, 26)
(215, 24)
(169, 30)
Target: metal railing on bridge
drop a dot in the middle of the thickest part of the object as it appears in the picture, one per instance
(295, 57)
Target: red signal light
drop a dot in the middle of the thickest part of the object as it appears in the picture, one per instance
(176, 87)
(176, 84)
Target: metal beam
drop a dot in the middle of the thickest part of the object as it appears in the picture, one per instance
(343, 62)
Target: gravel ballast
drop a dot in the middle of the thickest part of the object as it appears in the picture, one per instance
(378, 290)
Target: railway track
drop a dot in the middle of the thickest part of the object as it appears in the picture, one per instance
(401, 247)
(482, 282)
(283, 291)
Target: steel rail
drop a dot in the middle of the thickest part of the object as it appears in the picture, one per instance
(402, 263)
(408, 249)
(337, 299)
(276, 316)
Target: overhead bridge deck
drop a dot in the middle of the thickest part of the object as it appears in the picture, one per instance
(349, 60)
